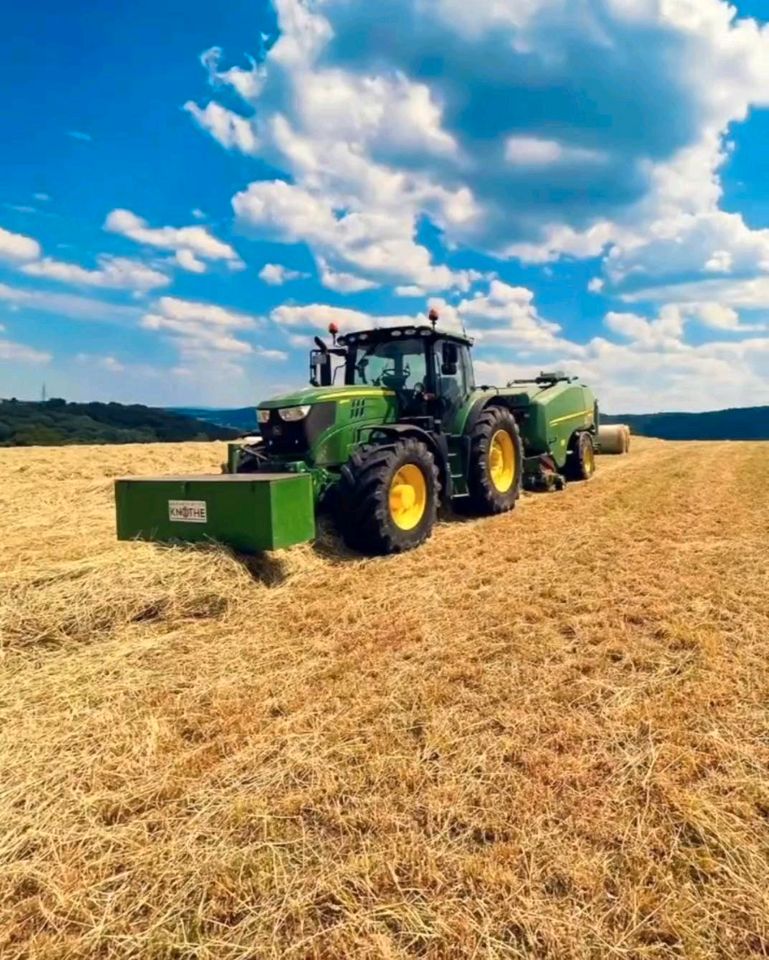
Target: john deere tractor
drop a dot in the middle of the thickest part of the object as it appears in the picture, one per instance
(393, 427)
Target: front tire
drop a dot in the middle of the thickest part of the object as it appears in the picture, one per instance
(387, 499)
(251, 458)
(496, 462)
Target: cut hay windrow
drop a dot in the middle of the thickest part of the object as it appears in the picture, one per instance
(542, 735)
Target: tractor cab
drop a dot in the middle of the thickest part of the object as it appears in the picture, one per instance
(431, 372)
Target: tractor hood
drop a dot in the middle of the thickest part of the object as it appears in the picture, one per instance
(312, 395)
(319, 425)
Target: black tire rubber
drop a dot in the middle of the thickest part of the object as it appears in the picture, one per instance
(484, 497)
(362, 498)
(581, 455)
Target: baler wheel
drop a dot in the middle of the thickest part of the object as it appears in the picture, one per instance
(496, 462)
(580, 464)
(387, 497)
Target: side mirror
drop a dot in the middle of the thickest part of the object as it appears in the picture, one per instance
(450, 359)
(320, 368)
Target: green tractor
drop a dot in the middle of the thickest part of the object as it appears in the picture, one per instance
(392, 428)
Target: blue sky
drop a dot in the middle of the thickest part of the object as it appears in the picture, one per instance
(191, 191)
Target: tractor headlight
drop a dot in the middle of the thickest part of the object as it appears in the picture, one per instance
(263, 416)
(292, 414)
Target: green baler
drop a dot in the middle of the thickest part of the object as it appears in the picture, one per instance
(392, 427)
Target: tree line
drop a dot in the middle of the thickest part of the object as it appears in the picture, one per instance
(56, 422)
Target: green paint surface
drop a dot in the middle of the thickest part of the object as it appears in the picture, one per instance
(248, 512)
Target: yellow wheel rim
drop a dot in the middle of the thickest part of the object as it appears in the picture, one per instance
(502, 461)
(408, 497)
(589, 460)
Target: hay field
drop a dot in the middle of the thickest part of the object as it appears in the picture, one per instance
(543, 735)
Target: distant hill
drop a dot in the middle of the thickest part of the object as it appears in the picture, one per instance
(742, 424)
(746, 423)
(242, 419)
(57, 422)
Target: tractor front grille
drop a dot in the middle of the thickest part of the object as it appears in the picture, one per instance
(284, 439)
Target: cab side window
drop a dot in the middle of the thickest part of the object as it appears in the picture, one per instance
(452, 378)
(467, 366)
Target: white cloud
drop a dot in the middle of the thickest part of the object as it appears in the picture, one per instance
(665, 332)
(113, 365)
(371, 244)
(677, 250)
(115, 273)
(717, 316)
(193, 244)
(371, 142)
(343, 282)
(112, 273)
(748, 294)
(535, 152)
(506, 316)
(247, 83)
(187, 260)
(392, 114)
(300, 340)
(318, 316)
(109, 363)
(20, 207)
(557, 241)
(628, 380)
(279, 355)
(19, 353)
(690, 378)
(355, 116)
(367, 247)
(207, 313)
(17, 248)
(80, 135)
(285, 211)
(275, 274)
(67, 305)
(229, 129)
(194, 335)
(205, 329)
(721, 261)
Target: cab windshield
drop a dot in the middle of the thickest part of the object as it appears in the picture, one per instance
(392, 364)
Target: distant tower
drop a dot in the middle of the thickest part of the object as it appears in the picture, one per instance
(45, 393)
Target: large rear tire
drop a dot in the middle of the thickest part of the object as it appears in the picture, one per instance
(496, 462)
(387, 499)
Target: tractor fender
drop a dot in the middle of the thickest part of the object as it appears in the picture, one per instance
(495, 400)
(436, 444)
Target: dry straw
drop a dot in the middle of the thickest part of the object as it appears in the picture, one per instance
(542, 735)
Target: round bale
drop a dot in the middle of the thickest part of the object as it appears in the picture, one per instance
(614, 439)
(626, 430)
